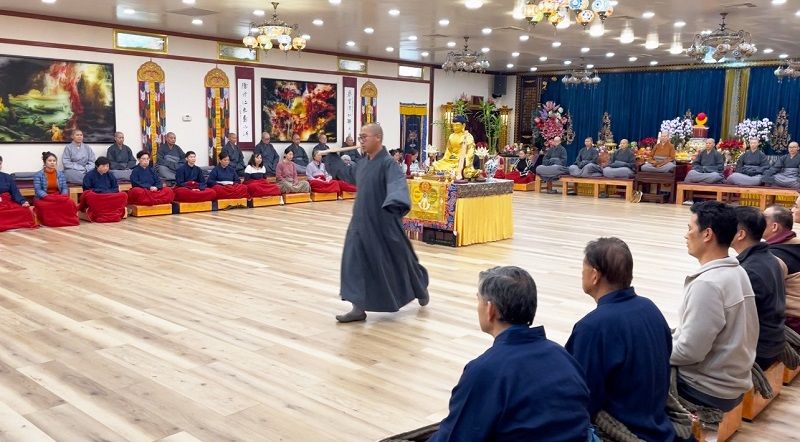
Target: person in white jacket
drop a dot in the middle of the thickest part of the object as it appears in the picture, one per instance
(714, 345)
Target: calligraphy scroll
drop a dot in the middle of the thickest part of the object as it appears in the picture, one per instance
(349, 125)
(245, 108)
(217, 111)
(152, 107)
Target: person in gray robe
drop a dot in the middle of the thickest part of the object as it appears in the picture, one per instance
(170, 158)
(553, 164)
(587, 162)
(622, 163)
(78, 158)
(784, 172)
(300, 155)
(380, 271)
(708, 166)
(121, 157)
(235, 154)
(750, 167)
(268, 154)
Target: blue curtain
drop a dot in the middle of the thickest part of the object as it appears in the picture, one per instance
(639, 101)
(765, 97)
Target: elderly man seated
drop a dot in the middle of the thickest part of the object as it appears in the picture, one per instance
(662, 158)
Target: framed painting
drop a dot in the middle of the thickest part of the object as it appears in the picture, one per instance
(140, 41)
(307, 108)
(229, 52)
(352, 65)
(43, 100)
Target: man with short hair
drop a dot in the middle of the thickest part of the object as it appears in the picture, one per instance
(121, 157)
(662, 156)
(380, 271)
(300, 157)
(190, 183)
(587, 162)
(785, 245)
(235, 154)
(553, 164)
(146, 186)
(766, 279)
(779, 225)
(750, 167)
(714, 344)
(785, 171)
(525, 387)
(623, 345)
(170, 158)
(78, 158)
(355, 155)
(269, 155)
(708, 166)
(322, 145)
(622, 163)
(101, 200)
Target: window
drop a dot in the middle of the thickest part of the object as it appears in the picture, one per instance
(409, 71)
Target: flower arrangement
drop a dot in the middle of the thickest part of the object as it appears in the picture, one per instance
(481, 151)
(648, 141)
(731, 148)
(755, 128)
(679, 129)
(550, 121)
(511, 149)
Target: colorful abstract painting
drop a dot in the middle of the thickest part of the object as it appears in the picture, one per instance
(307, 108)
(44, 100)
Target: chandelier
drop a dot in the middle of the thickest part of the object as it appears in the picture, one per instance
(465, 60)
(721, 43)
(586, 77)
(262, 36)
(790, 70)
(558, 11)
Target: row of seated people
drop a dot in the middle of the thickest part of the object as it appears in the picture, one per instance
(102, 201)
(752, 168)
(622, 363)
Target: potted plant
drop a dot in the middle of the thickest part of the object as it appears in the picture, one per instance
(492, 123)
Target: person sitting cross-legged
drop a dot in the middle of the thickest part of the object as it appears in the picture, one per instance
(101, 200)
(525, 387)
(146, 186)
(750, 167)
(225, 181)
(707, 167)
(286, 175)
(587, 162)
(785, 245)
(255, 178)
(190, 183)
(53, 206)
(784, 172)
(15, 210)
(553, 164)
(318, 178)
(622, 162)
(523, 171)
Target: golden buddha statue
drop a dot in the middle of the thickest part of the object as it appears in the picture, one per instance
(459, 153)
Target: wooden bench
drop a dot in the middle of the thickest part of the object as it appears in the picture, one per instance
(293, 198)
(205, 206)
(727, 189)
(264, 201)
(324, 196)
(753, 402)
(142, 211)
(731, 422)
(789, 375)
(597, 182)
(527, 187)
(229, 203)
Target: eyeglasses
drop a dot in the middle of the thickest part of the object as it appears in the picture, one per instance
(363, 136)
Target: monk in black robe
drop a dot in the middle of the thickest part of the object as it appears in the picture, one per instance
(380, 271)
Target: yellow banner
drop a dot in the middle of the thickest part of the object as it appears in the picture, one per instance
(428, 200)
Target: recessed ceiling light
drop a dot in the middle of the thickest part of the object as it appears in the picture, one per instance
(259, 12)
(782, 56)
(515, 54)
(797, 13)
(543, 58)
(524, 37)
(444, 22)
(626, 36)
(648, 14)
(653, 63)
(556, 44)
(589, 66)
(412, 37)
(389, 49)
(534, 69)
(510, 65)
(676, 48)
(394, 12)
(567, 62)
(425, 54)
(306, 36)
(473, 4)
(350, 43)
(334, 2)
(679, 24)
(485, 50)
(632, 58)
(50, 2)
(318, 22)
(369, 30)
(486, 31)
(451, 44)
(609, 54)
(188, 2)
(652, 41)
(585, 50)
(129, 11)
(778, 2)
(197, 22)
(768, 51)
(597, 29)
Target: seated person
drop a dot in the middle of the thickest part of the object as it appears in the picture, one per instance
(78, 158)
(286, 175)
(322, 145)
(299, 155)
(587, 162)
(347, 160)
(255, 178)
(397, 156)
(146, 186)
(662, 156)
(525, 387)
(225, 181)
(553, 164)
(785, 245)
(412, 162)
(15, 210)
(784, 172)
(622, 163)
(268, 153)
(714, 343)
(235, 154)
(318, 178)
(355, 155)
(121, 157)
(523, 172)
(170, 157)
(190, 183)
(623, 345)
(707, 166)
(750, 166)
(53, 206)
(766, 280)
(101, 200)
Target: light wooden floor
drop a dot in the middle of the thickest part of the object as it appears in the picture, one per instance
(203, 327)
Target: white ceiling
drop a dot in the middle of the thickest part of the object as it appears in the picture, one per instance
(772, 26)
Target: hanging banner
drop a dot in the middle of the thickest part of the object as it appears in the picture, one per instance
(152, 107)
(248, 133)
(217, 111)
(414, 128)
(349, 125)
(427, 200)
(369, 103)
